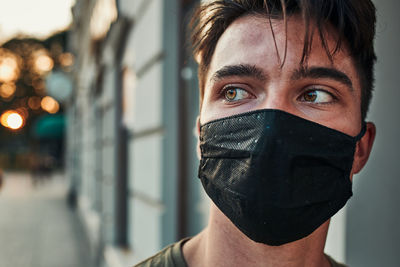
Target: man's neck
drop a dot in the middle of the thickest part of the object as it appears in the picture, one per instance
(222, 244)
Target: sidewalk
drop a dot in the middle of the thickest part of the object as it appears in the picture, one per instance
(37, 229)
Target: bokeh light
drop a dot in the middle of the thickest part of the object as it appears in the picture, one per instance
(50, 105)
(9, 69)
(66, 59)
(42, 61)
(12, 120)
(7, 90)
(34, 102)
(23, 111)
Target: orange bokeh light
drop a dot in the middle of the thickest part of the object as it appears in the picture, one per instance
(66, 59)
(12, 120)
(7, 90)
(44, 63)
(9, 70)
(50, 105)
(34, 102)
(23, 111)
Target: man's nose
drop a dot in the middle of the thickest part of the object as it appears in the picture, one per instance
(277, 99)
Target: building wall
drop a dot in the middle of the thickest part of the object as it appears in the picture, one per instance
(151, 57)
(128, 81)
(89, 146)
(143, 58)
(373, 216)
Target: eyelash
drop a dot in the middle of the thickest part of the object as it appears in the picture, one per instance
(224, 90)
(318, 89)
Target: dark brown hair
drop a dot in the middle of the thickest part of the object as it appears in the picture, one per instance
(354, 21)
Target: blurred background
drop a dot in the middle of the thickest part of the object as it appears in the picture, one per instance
(98, 102)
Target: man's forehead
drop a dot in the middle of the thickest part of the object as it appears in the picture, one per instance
(250, 31)
(252, 25)
(253, 40)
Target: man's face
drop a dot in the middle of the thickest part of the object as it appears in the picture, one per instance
(245, 74)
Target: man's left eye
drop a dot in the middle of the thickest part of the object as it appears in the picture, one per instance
(317, 97)
(232, 94)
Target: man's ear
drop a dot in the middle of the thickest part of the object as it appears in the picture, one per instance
(363, 149)
(198, 137)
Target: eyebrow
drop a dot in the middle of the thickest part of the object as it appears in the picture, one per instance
(240, 70)
(246, 70)
(322, 72)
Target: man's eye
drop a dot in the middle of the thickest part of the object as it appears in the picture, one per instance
(317, 97)
(235, 94)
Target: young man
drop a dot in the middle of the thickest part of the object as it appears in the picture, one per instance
(285, 88)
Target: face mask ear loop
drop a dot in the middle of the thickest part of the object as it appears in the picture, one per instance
(362, 133)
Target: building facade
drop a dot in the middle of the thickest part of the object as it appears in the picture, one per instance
(131, 148)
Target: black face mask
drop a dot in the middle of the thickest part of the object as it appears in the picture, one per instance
(276, 176)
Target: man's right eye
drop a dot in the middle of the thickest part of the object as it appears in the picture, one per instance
(233, 94)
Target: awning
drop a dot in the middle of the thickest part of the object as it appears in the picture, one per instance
(49, 126)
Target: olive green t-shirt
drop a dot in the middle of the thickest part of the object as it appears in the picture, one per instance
(172, 256)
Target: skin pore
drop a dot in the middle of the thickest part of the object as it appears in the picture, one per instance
(245, 74)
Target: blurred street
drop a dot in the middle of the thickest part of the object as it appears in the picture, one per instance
(37, 228)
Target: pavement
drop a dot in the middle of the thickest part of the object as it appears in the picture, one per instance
(37, 228)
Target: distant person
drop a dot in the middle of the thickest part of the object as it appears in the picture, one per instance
(1, 178)
(41, 167)
(284, 92)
